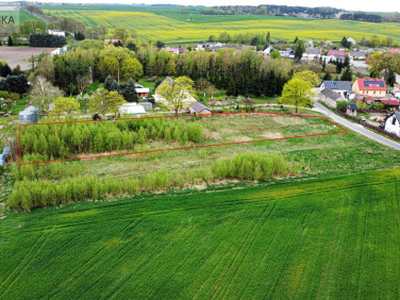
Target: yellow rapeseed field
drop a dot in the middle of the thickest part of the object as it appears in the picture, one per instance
(151, 26)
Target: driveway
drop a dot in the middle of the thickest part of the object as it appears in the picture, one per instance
(355, 127)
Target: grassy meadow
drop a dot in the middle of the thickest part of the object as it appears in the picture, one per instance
(327, 238)
(169, 25)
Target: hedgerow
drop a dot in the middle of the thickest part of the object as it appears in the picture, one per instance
(29, 192)
(67, 140)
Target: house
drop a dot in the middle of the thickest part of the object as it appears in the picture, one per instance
(352, 109)
(141, 91)
(175, 51)
(187, 98)
(341, 54)
(56, 32)
(330, 97)
(343, 88)
(394, 50)
(147, 105)
(396, 91)
(312, 53)
(267, 51)
(132, 109)
(198, 108)
(112, 41)
(204, 46)
(392, 123)
(59, 51)
(370, 87)
(392, 103)
(358, 55)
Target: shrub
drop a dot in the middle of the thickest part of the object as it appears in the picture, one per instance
(342, 105)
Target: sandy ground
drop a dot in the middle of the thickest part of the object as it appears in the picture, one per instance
(20, 55)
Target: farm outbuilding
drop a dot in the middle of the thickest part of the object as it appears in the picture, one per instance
(134, 109)
(29, 115)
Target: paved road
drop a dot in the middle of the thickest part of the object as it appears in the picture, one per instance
(356, 127)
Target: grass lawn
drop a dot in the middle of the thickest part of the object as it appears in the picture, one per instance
(327, 238)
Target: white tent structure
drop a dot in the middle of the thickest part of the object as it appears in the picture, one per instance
(134, 109)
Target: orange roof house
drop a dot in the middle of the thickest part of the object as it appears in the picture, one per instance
(370, 87)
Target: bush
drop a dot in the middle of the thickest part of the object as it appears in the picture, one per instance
(342, 105)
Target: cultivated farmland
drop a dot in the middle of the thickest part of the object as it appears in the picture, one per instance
(152, 23)
(328, 238)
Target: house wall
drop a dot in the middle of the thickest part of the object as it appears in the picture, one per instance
(373, 93)
(389, 127)
(329, 101)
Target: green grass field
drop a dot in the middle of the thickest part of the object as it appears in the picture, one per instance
(169, 25)
(328, 238)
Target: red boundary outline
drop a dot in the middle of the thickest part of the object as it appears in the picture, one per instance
(181, 148)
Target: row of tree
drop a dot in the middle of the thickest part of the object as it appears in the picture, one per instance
(276, 10)
(28, 194)
(68, 140)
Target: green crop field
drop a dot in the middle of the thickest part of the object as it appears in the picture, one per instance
(329, 238)
(169, 25)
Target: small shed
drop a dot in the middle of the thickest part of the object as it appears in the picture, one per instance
(352, 109)
(132, 109)
(198, 108)
(29, 115)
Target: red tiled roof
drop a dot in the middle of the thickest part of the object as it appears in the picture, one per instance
(371, 84)
(336, 52)
(392, 102)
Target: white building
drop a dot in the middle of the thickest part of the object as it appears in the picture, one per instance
(56, 32)
(133, 108)
(392, 123)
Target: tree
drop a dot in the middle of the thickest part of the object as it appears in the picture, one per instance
(121, 33)
(176, 94)
(115, 86)
(160, 44)
(43, 93)
(330, 68)
(296, 92)
(129, 92)
(108, 82)
(10, 41)
(82, 82)
(64, 105)
(6, 70)
(275, 54)
(347, 74)
(98, 102)
(104, 101)
(132, 68)
(109, 65)
(115, 100)
(298, 54)
(308, 76)
(186, 83)
(382, 64)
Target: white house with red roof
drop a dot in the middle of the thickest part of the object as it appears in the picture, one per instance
(338, 53)
(370, 87)
(107, 41)
(395, 50)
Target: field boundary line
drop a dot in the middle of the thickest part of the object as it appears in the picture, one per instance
(179, 148)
